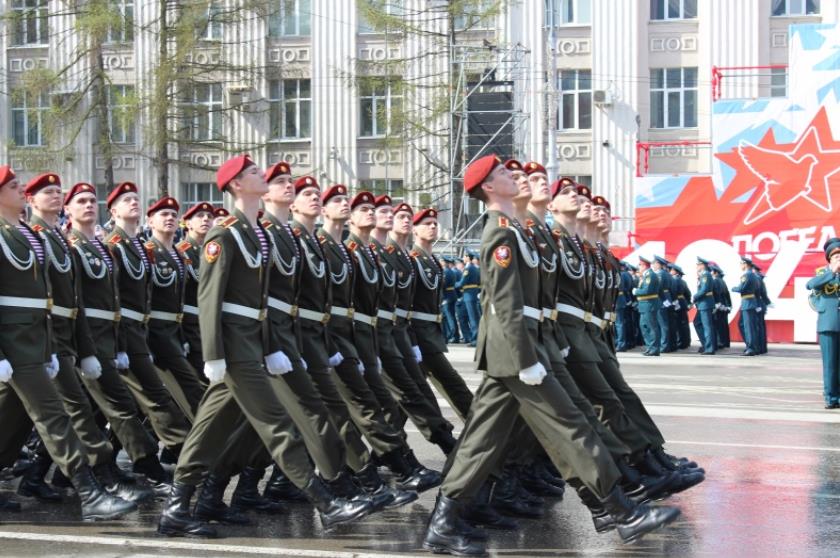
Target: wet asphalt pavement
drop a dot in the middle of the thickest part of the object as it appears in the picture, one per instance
(757, 425)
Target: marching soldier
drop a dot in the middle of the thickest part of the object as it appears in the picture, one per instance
(624, 324)
(681, 307)
(663, 315)
(704, 300)
(28, 363)
(647, 295)
(723, 303)
(169, 272)
(470, 286)
(825, 286)
(761, 311)
(748, 289)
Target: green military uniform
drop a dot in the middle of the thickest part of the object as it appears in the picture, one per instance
(826, 301)
(100, 322)
(134, 270)
(166, 338)
(507, 343)
(190, 250)
(25, 342)
(233, 300)
(427, 331)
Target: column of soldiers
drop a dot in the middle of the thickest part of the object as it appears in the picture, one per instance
(266, 342)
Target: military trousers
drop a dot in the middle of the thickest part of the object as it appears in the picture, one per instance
(706, 330)
(467, 334)
(186, 376)
(448, 382)
(663, 322)
(551, 415)
(30, 395)
(749, 329)
(648, 321)
(830, 352)
(722, 326)
(450, 323)
(402, 339)
(473, 308)
(246, 390)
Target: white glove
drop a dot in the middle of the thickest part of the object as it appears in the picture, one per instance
(677, 305)
(305, 366)
(121, 362)
(758, 310)
(278, 363)
(418, 356)
(666, 303)
(634, 290)
(336, 359)
(565, 352)
(52, 367)
(361, 368)
(186, 347)
(91, 369)
(215, 370)
(5, 371)
(533, 375)
(152, 358)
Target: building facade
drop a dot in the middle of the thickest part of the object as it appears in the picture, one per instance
(597, 77)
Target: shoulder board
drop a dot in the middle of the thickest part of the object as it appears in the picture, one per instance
(414, 254)
(229, 222)
(72, 240)
(266, 224)
(183, 246)
(114, 239)
(351, 245)
(322, 238)
(821, 269)
(36, 227)
(297, 231)
(149, 245)
(529, 223)
(504, 222)
(389, 249)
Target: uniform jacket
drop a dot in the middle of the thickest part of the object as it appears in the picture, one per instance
(169, 278)
(368, 280)
(704, 298)
(427, 298)
(826, 286)
(553, 337)
(748, 288)
(283, 285)
(648, 285)
(190, 251)
(133, 264)
(341, 276)
(470, 280)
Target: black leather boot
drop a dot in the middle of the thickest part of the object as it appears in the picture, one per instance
(59, 480)
(334, 510)
(247, 495)
(506, 498)
(109, 478)
(443, 535)
(444, 440)
(680, 464)
(32, 483)
(7, 505)
(602, 520)
(210, 504)
(344, 487)
(632, 521)
(97, 504)
(530, 478)
(159, 479)
(642, 489)
(411, 475)
(176, 519)
(376, 488)
(480, 512)
(681, 481)
(548, 475)
(280, 489)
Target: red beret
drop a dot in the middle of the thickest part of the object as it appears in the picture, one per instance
(124, 188)
(305, 182)
(601, 201)
(276, 170)
(166, 202)
(362, 198)
(513, 165)
(403, 207)
(532, 167)
(424, 213)
(80, 188)
(558, 186)
(231, 168)
(333, 191)
(221, 212)
(478, 171)
(584, 191)
(198, 208)
(41, 181)
(384, 199)
(6, 174)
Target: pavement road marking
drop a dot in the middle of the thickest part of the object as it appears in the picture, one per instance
(757, 446)
(188, 546)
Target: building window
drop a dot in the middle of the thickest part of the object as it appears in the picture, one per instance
(795, 7)
(29, 113)
(211, 23)
(293, 18)
(290, 108)
(778, 82)
(193, 193)
(122, 32)
(388, 8)
(29, 22)
(380, 102)
(673, 98)
(673, 9)
(584, 179)
(568, 12)
(379, 186)
(475, 15)
(575, 100)
(121, 113)
(204, 112)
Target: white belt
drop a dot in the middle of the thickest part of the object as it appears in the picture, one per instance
(533, 313)
(574, 311)
(166, 316)
(23, 302)
(102, 314)
(244, 311)
(190, 309)
(609, 316)
(364, 318)
(133, 315)
(423, 316)
(386, 315)
(341, 311)
(64, 312)
(284, 307)
(549, 314)
(313, 316)
(402, 313)
(599, 322)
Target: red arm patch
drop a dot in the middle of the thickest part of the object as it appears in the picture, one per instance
(502, 255)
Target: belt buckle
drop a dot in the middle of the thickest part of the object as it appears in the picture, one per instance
(73, 313)
(49, 304)
(439, 318)
(179, 317)
(587, 317)
(293, 311)
(262, 314)
(325, 319)
(542, 316)
(373, 320)
(117, 316)
(394, 318)
(350, 313)
(554, 314)
(146, 318)
(408, 315)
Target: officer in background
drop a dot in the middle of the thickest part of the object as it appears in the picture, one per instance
(623, 311)
(647, 293)
(470, 285)
(761, 311)
(682, 302)
(748, 288)
(825, 299)
(723, 306)
(463, 320)
(450, 299)
(704, 300)
(663, 316)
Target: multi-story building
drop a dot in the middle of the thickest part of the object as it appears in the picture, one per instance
(597, 76)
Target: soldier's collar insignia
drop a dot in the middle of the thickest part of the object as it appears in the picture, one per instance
(266, 224)
(183, 246)
(116, 239)
(351, 245)
(37, 228)
(389, 249)
(504, 222)
(297, 231)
